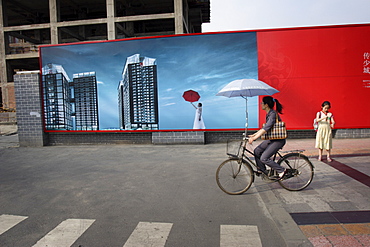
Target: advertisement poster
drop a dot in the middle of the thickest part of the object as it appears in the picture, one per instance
(203, 63)
(312, 65)
(138, 84)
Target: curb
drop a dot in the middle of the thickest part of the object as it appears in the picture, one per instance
(288, 228)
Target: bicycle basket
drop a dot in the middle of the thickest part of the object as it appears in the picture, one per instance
(234, 147)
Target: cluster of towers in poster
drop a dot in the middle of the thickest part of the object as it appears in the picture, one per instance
(73, 104)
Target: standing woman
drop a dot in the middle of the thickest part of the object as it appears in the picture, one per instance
(326, 122)
(198, 120)
(268, 148)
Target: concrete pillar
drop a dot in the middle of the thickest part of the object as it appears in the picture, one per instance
(110, 20)
(3, 74)
(53, 10)
(8, 95)
(179, 15)
(29, 109)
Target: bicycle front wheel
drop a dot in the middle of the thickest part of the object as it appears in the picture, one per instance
(234, 177)
(300, 171)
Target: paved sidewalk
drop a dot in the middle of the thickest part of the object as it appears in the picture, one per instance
(335, 209)
(340, 146)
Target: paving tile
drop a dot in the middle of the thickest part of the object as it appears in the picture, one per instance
(332, 230)
(298, 207)
(344, 241)
(320, 241)
(358, 229)
(313, 218)
(341, 205)
(310, 231)
(352, 216)
(363, 239)
(353, 173)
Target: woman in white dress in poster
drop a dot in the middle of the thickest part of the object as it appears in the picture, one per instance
(198, 120)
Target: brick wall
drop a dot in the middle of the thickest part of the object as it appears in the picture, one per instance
(166, 137)
(352, 133)
(29, 113)
(178, 137)
(77, 138)
(223, 136)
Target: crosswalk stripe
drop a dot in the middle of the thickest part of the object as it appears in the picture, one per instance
(239, 235)
(149, 234)
(145, 234)
(66, 233)
(8, 221)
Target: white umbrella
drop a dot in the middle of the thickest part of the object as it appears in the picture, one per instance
(246, 88)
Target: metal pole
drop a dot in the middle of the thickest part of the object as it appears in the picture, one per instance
(246, 116)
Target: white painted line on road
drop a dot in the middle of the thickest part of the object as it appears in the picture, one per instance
(239, 235)
(66, 233)
(149, 234)
(8, 221)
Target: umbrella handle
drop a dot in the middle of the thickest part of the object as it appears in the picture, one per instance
(246, 128)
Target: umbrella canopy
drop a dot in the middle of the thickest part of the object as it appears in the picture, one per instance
(191, 96)
(246, 88)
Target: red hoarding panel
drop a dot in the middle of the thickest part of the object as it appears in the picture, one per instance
(311, 65)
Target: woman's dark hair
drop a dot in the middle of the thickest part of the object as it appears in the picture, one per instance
(270, 101)
(200, 104)
(326, 103)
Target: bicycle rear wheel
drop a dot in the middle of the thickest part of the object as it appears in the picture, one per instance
(234, 177)
(300, 171)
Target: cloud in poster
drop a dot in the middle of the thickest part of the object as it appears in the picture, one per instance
(204, 63)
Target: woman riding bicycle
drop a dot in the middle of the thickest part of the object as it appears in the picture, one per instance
(268, 148)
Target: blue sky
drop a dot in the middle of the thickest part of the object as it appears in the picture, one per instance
(204, 63)
(234, 15)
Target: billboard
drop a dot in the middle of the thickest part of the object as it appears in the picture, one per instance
(311, 65)
(137, 84)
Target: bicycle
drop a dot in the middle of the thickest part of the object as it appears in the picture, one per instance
(235, 175)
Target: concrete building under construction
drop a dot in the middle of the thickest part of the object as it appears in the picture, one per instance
(25, 25)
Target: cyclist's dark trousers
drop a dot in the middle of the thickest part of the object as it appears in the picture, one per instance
(265, 150)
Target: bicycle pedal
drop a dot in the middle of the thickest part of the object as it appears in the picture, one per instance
(275, 178)
(259, 173)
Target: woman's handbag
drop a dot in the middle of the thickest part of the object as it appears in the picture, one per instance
(278, 131)
(315, 124)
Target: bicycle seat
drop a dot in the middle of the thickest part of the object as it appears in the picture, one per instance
(293, 151)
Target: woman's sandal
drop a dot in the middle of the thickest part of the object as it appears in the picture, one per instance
(329, 160)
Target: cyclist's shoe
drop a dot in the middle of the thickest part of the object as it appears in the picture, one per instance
(279, 176)
(282, 174)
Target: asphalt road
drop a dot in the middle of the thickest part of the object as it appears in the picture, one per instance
(118, 186)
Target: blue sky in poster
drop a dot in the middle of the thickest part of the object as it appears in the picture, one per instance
(204, 63)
